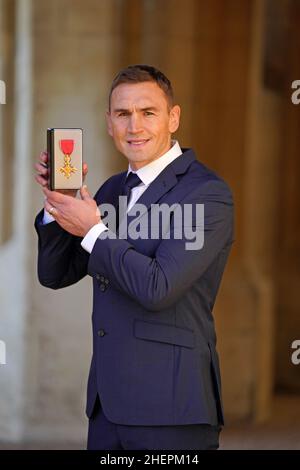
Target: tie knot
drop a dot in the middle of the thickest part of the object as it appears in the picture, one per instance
(132, 180)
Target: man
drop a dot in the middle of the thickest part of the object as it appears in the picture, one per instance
(154, 380)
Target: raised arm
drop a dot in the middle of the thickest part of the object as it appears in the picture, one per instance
(159, 281)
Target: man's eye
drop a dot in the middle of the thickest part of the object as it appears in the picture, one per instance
(148, 113)
(122, 114)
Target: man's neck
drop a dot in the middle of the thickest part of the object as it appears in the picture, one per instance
(134, 166)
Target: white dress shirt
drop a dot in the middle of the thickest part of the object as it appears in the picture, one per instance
(147, 174)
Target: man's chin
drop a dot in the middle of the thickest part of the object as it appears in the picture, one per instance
(137, 155)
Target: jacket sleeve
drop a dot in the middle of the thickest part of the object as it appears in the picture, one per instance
(61, 259)
(159, 281)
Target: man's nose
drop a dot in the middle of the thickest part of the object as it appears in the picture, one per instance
(135, 123)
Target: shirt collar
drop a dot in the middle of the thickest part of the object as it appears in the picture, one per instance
(149, 172)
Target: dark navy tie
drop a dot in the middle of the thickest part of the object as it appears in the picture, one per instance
(131, 181)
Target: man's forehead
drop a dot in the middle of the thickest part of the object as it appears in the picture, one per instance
(139, 95)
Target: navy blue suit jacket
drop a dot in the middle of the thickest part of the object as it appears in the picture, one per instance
(154, 344)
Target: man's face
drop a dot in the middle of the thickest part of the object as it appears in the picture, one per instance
(140, 122)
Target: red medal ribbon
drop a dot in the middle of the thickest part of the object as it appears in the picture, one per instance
(66, 146)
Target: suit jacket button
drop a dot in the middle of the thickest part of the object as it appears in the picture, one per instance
(102, 278)
(102, 287)
(106, 281)
(101, 332)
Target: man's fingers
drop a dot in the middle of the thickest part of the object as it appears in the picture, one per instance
(84, 171)
(58, 200)
(47, 192)
(52, 210)
(55, 197)
(85, 195)
(41, 169)
(41, 180)
(44, 157)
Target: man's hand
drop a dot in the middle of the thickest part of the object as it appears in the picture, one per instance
(76, 216)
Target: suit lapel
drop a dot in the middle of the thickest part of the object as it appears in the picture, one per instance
(164, 182)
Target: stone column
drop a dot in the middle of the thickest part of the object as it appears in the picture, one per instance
(263, 142)
(15, 253)
(287, 255)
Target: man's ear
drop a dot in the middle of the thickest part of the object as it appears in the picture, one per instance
(174, 118)
(108, 123)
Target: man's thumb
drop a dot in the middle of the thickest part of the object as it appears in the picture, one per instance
(84, 192)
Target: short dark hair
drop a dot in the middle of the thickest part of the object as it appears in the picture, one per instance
(143, 73)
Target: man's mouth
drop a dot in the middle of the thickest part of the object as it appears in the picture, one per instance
(137, 142)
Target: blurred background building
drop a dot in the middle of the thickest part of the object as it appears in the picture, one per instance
(232, 64)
